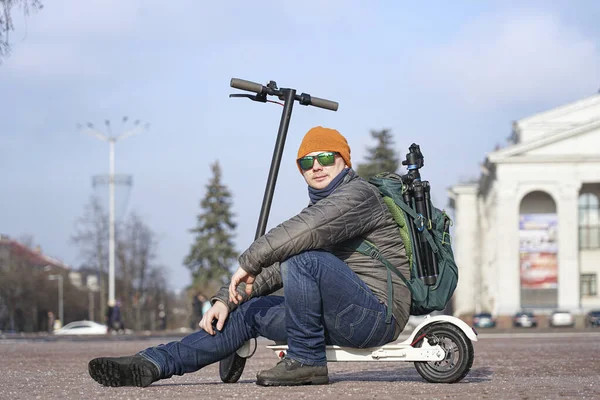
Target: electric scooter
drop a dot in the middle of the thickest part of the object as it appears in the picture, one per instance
(440, 346)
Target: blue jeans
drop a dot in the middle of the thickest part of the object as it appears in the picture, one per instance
(325, 303)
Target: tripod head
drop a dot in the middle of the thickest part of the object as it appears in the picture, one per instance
(414, 161)
(414, 158)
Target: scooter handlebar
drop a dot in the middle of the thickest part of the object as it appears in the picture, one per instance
(246, 85)
(322, 103)
(249, 86)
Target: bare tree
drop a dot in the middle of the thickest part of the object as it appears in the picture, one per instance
(142, 281)
(15, 287)
(6, 21)
(91, 236)
(155, 293)
(26, 294)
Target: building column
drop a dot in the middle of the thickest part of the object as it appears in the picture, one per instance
(466, 248)
(568, 248)
(507, 293)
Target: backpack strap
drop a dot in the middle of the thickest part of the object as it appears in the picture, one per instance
(401, 219)
(369, 249)
(418, 220)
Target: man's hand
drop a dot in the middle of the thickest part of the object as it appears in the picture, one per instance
(219, 312)
(238, 277)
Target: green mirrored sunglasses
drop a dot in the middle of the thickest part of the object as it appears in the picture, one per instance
(325, 159)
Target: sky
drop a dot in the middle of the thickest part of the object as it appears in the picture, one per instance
(450, 76)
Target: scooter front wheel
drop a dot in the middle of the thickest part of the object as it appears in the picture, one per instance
(459, 354)
(231, 368)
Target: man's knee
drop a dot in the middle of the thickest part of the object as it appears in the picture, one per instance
(296, 261)
(261, 310)
(308, 261)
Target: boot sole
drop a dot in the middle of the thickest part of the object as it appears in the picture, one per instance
(111, 373)
(315, 380)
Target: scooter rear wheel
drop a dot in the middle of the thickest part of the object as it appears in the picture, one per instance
(231, 368)
(459, 354)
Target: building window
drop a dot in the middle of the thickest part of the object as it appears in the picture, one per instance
(589, 286)
(589, 221)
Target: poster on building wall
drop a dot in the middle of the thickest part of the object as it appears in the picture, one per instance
(538, 248)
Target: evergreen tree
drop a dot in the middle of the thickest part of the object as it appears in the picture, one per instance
(381, 158)
(213, 253)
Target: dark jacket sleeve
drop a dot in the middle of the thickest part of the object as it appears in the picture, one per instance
(352, 210)
(267, 282)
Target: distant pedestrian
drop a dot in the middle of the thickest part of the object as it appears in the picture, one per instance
(162, 317)
(117, 318)
(206, 306)
(198, 310)
(113, 318)
(51, 320)
(108, 317)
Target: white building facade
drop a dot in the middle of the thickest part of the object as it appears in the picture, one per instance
(527, 233)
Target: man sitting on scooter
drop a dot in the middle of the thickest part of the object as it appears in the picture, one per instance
(333, 294)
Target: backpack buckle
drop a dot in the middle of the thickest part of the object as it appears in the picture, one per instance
(446, 238)
(420, 222)
(375, 254)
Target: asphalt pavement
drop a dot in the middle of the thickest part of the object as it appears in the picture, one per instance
(514, 364)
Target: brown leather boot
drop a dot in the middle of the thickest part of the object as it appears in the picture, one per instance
(290, 372)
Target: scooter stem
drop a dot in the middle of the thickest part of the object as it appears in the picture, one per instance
(289, 97)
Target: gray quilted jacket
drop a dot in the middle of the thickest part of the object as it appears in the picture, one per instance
(354, 208)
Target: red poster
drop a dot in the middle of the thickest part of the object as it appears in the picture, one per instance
(538, 251)
(539, 270)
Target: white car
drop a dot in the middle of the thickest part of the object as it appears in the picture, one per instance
(562, 318)
(82, 328)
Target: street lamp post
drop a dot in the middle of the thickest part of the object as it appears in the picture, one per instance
(59, 278)
(89, 129)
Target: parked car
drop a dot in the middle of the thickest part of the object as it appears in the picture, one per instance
(561, 318)
(484, 320)
(82, 328)
(525, 319)
(592, 319)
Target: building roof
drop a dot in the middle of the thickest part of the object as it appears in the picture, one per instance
(550, 127)
(567, 154)
(569, 133)
(32, 256)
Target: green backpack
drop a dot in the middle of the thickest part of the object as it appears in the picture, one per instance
(425, 298)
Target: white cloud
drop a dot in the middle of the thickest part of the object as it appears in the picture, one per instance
(59, 40)
(57, 61)
(73, 19)
(511, 60)
(68, 39)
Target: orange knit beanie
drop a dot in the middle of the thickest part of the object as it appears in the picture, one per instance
(324, 139)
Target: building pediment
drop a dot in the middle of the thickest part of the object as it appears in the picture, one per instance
(559, 119)
(575, 142)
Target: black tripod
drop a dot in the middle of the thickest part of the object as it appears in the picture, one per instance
(416, 193)
(231, 368)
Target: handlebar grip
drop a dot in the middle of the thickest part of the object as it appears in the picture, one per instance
(246, 85)
(322, 103)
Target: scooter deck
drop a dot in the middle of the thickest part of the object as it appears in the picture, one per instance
(396, 351)
(388, 352)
